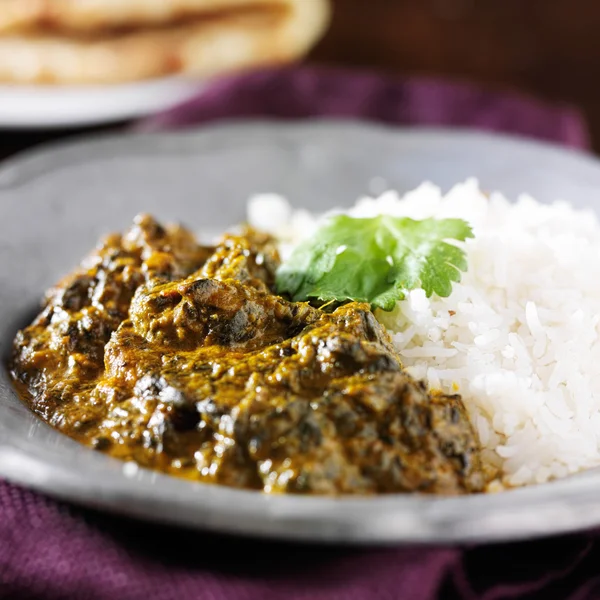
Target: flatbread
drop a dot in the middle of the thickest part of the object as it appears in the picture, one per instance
(85, 16)
(222, 43)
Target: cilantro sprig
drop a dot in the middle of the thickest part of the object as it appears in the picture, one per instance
(375, 260)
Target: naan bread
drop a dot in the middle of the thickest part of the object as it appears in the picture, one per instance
(271, 32)
(100, 15)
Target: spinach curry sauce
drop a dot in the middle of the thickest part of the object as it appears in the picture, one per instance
(182, 358)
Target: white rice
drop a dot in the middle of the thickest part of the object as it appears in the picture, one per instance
(518, 338)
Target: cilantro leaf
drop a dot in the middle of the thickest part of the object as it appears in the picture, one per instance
(375, 260)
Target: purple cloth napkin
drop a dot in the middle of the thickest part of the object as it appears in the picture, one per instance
(333, 93)
(53, 551)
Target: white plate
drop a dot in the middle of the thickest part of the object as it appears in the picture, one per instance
(55, 203)
(38, 106)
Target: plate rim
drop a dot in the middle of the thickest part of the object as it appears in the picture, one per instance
(70, 106)
(128, 139)
(83, 146)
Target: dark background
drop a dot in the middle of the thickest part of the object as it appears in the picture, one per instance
(547, 48)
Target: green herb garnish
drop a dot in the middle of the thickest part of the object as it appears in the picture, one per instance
(375, 260)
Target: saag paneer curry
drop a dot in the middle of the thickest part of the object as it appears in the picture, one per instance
(182, 358)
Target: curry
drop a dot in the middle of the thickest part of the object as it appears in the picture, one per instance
(182, 358)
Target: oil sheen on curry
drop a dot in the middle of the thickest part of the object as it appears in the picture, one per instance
(182, 358)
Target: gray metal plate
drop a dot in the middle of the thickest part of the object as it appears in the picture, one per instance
(56, 202)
